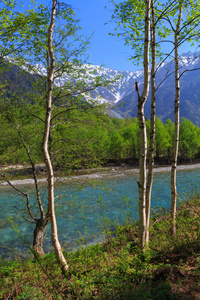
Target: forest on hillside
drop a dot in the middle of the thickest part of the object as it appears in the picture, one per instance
(86, 142)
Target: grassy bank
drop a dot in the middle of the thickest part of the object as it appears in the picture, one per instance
(116, 269)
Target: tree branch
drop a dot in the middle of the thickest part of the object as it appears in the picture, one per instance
(24, 194)
(34, 176)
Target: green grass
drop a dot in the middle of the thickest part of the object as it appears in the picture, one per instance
(117, 269)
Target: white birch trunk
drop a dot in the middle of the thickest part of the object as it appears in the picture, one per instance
(143, 136)
(177, 121)
(153, 116)
(142, 175)
(51, 68)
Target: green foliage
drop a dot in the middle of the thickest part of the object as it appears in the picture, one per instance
(30, 293)
(131, 136)
(129, 19)
(88, 138)
(189, 139)
(11, 148)
(162, 139)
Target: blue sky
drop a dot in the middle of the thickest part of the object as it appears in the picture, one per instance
(104, 49)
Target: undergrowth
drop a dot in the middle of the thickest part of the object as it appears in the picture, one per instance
(117, 269)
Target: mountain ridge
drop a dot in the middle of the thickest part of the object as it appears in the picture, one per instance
(165, 95)
(122, 97)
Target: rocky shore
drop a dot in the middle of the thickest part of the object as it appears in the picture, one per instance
(101, 173)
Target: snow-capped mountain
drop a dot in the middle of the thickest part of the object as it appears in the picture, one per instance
(123, 97)
(189, 64)
(121, 88)
(124, 88)
(126, 84)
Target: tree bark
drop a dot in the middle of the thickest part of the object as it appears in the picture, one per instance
(38, 237)
(143, 135)
(142, 174)
(50, 73)
(153, 117)
(177, 121)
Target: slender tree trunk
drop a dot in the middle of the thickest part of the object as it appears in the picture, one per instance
(153, 116)
(177, 121)
(50, 140)
(143, 136)
(50, 73)
(40, 224)
(38, 238)
(142, 174)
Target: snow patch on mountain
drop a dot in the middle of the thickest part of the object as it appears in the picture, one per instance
(189, 59)
(125, 84)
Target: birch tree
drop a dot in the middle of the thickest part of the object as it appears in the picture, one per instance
(53, 111)
(153, 115)
(130, 16)
(177, 119)
(50, 174)
(138, 36)
(183, 18)
(132, 30)
(55, 51)
(143, 135)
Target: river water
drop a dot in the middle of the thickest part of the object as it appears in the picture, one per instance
(80, 208)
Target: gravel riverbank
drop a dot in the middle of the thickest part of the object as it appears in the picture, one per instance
(102, 173)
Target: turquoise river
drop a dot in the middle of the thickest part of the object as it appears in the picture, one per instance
(80, 207)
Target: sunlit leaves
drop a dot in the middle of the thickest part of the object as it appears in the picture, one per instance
(15, 28)
(129, 15)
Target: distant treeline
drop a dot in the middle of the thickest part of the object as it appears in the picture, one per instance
(85, 140)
